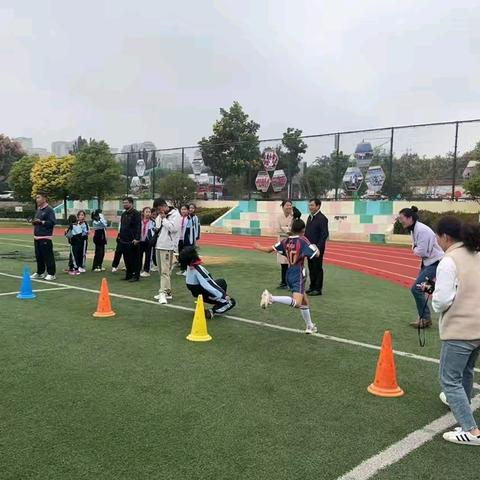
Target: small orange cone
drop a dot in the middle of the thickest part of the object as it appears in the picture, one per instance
(385, 383)
(199, 326)
(104, 308)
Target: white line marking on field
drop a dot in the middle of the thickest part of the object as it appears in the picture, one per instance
(336, 262)
(59, 248)
(36, 291)
(243, 320)
(402, 448)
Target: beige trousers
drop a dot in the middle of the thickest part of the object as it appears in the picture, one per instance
(164, 263)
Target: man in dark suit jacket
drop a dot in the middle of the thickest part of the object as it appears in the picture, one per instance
(317, 233)
(129, 239)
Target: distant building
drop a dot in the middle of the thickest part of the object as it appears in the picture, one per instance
(138, 147)
(61, 148)
(25, 142)
(41, 152)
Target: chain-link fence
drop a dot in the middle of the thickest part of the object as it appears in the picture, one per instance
(426, 161)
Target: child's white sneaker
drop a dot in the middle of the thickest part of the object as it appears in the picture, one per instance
(462, 438)
(144, 274)
(81, 270)
(50, 278)
(162, 299)
(114, 270)
(311, 329)
(266, 299)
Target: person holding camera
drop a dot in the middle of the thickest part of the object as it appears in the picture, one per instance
(456, 297)
(99, 225)
(43, 225)
(425, 246)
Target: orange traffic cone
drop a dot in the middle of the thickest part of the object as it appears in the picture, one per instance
(199, 331)
(104, 308)
(385, 383)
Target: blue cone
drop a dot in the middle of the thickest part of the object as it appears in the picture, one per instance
(26, 287)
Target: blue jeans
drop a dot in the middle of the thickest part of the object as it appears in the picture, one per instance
(457, 363)
(419, 295)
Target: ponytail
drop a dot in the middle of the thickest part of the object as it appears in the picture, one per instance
(411, 212)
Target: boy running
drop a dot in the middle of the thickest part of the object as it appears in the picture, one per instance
(296, 248)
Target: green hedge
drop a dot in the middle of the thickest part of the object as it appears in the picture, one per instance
(209, 215)
(431, 219)
(9, 212)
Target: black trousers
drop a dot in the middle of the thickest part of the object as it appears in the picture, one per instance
(131, 258)
(100, 240)
(284, 267)
(315, 269)
(76, 254)
(118, 255)
(145, 255)
(45, 257)
(221, 306)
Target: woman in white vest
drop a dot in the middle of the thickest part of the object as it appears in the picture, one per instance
(457, 298)
(284, 224)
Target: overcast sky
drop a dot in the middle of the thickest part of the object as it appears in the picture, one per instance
(128, 71)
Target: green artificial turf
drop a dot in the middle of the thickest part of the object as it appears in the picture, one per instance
(130, 398)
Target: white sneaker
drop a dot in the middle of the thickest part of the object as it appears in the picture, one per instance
(266, 299)
(97, 270)
(38, 275)
(154, 269)
(461, 437)
(169, 296)
(310, 330)
(162, 299)
(114, 270)
(182, 273)
(50, 278)
(144, 274)
(157, 297)
(443, 399)
(81, 270)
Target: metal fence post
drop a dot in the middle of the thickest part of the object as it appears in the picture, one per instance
(337, 152)
(154, 165)
(454, 173)
(183, 160)
(126, 176)
(390, 167)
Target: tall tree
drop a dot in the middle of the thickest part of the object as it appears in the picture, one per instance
(294, 148)
(20, 178)
(96, 173)
(179, 188)
(10, 152)
(472, 185)
(79, 144)
(53, 176)
(232, 149)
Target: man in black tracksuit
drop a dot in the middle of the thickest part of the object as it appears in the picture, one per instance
(129, 238)
(317, 233)
(43, 225)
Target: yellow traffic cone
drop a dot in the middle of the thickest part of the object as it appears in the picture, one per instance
(199, 326)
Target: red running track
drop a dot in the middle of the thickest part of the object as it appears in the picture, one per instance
(395, 264)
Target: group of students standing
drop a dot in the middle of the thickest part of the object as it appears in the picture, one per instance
(152, 240)
(139, 237)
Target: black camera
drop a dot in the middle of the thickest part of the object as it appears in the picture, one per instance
(428, 286)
